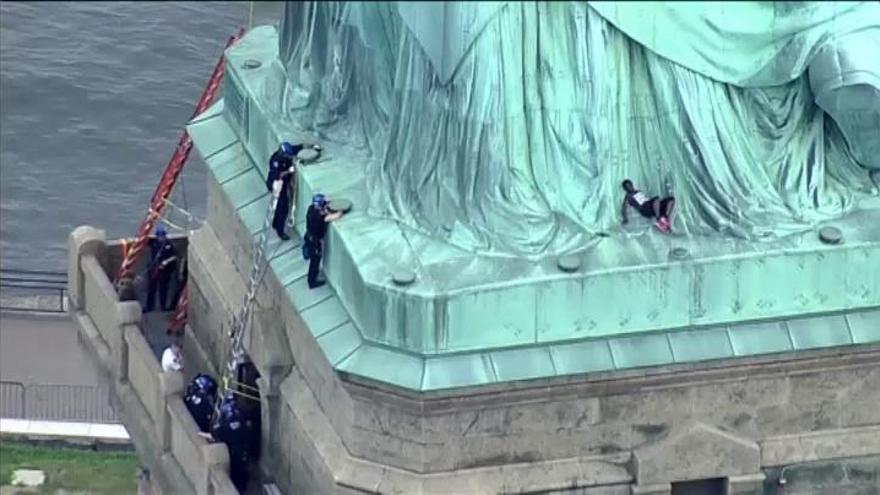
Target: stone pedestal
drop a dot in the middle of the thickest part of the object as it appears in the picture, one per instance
(170, 383)
(82, 241)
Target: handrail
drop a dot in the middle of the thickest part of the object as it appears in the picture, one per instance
(56, 402)
(15, 271)
(25, 283)
(34, 280)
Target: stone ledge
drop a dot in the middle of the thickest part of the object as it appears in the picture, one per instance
(364, 475)
(825, 444)
(138, 393)
(128, 406)
(696, 451)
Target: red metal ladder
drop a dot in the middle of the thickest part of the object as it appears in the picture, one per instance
(169, 179)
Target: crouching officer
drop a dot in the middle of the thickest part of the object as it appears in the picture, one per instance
(278, 182)
(163, 264)
(199, 400)
(317, 218)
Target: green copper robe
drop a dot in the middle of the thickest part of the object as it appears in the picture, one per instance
(507, 127)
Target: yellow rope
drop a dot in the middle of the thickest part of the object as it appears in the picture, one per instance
(227, 388)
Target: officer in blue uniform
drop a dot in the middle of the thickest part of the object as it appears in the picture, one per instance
(318, 216)
(199, 400)
(278, 181)
(163, 264)
(237, 430)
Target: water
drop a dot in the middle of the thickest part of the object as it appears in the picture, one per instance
(93, 96)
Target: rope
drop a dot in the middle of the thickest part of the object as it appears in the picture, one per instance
(190, 218)
(236, 383)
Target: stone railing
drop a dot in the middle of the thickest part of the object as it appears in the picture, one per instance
(101, 301)
(201, 460)
(148, 400)
(219, 481)
(143, 373)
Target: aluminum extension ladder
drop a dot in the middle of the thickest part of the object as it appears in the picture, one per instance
(242, 321)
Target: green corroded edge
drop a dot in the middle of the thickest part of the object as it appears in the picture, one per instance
(347, 351)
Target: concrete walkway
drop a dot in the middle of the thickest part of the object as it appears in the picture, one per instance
(67, 430)
(43, 349)
(37, 349)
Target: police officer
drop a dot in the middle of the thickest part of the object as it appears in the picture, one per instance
(163, 264)
(278, 182)
(234, 429)
(199, 400)
(317, 218)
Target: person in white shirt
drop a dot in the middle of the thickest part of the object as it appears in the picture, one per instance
(172, 360)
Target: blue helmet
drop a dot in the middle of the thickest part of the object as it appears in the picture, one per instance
(160, 230)
(319, 200)
(205, 383)
(287, 148)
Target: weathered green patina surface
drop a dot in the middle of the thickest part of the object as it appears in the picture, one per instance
(716, 289)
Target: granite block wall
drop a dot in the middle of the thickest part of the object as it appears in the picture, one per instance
(333, 433)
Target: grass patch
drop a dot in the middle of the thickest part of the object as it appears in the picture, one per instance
(72, 469)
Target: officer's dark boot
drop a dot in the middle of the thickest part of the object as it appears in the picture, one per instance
(279, 223)
(238, 469)
(163, 293)
(151, 295)
(314, 268)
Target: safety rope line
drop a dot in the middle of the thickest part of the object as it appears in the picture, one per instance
(190, 218)
(166, 220)
(174, 168)
(246, 395)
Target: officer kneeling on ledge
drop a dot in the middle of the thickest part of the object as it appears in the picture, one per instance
(317, 218)
(278, 182)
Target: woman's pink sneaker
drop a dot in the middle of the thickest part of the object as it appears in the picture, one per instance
(663, 224)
